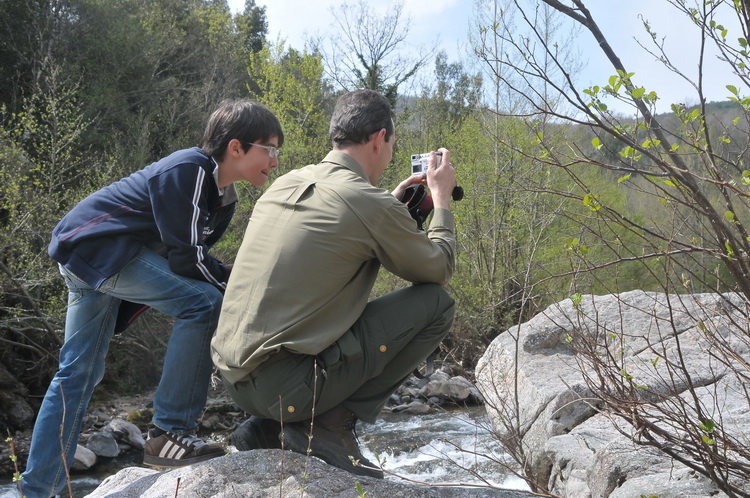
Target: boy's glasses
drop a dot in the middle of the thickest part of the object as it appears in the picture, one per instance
(272, 151)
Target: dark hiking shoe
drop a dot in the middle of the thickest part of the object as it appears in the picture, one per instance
(175, 450)
(257, 433)
(333, 441)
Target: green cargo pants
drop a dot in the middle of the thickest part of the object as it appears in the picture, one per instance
(362, 369)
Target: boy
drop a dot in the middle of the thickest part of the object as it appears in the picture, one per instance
(144, 240)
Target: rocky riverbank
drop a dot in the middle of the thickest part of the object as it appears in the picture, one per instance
(574, 445)
(271, 473)
(114, 426)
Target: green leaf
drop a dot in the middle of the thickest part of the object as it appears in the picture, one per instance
(596, 143)
(592, 202)
(360, 490)
(577, 298)
(624, 178)
(708, 440)
(630, 153)
(708, 425)
(730, 251)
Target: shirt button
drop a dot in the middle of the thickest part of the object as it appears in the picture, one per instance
(383, 348)
(290, 409)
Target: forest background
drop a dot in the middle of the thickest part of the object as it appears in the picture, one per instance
(563, 196)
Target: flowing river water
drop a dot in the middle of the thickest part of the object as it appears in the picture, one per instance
(448, 447)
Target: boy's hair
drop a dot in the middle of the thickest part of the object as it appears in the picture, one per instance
(358, 115)
(246, 120)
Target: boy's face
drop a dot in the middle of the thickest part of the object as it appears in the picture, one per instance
(256, 164)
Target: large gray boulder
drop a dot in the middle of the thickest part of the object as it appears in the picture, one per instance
(270, 473)
(533, 379)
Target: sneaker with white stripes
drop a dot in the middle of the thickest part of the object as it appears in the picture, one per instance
(175, 450)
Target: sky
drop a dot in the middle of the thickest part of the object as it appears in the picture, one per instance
(447, 23)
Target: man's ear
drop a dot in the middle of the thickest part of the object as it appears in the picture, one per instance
(378, 139)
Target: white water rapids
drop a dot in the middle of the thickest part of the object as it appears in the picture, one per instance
(447, 448)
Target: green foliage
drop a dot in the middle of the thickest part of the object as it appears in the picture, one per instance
(17, 478)
(290, 84)
(140, 417)
(654, 202)
(42, 170)
(107, 88)
(360, 490)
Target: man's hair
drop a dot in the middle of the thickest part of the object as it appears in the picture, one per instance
(358, 115)
(246, 120)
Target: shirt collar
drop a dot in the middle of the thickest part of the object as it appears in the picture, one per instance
(347, 161)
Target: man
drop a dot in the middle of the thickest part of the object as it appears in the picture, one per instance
(298, 345)
(144, 240)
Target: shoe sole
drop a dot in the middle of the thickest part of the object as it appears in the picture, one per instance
(252, 437)
(296, 439)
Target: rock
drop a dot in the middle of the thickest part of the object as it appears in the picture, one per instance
(443, 387)
(417, 408)
(103, 444)
(15, 412)
(84, 459)
(125, 432)
(270, 473)
(455, 389)
(572, 445)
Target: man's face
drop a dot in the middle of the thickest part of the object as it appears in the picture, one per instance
(257, 163)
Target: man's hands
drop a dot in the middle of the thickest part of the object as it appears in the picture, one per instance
(398, 192)
(441, 179)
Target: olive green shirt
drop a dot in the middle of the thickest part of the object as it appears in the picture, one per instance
(309, 259)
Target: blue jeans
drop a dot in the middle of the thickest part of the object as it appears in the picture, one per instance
(89, 326)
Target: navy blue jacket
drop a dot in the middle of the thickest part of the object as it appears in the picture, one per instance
(173, 206)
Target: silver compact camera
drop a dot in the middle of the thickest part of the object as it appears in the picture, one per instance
(419, 162)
